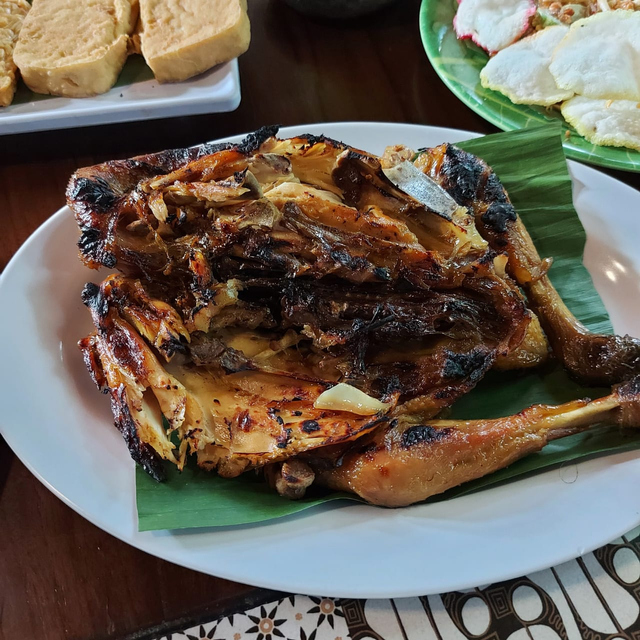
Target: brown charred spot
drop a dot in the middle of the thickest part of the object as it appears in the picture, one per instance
(96, 193)
(462, 173)
(348, 178)
(374, 423)
(487, 257)
(283, 440)
(354, 263)
(93, 247)
(494, 190)
(127, 347)
(387, 385)
(173, 159)
(91, 358)
(245, 421)
(498, 215)
(442, 394)
(309, 426)
(472, 183)
(291, 478)
(253, 141)
(313, 139)
(472, 365)
(382, 273)
(94, 300)
(233, 361)
(423, 433)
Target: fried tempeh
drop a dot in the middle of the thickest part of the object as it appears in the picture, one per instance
(12, 15)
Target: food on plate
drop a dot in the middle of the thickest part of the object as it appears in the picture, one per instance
(12, 13)
(305, 308)
(78, 49)
(599, 57)
(282, 262)
(180, 39)
(608, 122)
(414, 460)
(590, 358)
(493, 24)
(521, 71)
(72, 49)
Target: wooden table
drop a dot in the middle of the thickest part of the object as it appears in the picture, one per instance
(61, 577)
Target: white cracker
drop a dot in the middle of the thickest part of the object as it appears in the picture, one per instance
(493, 24)
(600, 57)
(613, 123)
(521, 71)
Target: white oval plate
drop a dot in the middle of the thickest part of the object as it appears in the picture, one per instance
(62, 429)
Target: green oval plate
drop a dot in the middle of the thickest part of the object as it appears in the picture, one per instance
(458, 63)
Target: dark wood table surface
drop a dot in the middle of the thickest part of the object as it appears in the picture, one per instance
(60, 576)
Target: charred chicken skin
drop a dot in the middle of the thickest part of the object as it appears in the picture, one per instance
(287, 305)
(592, 359)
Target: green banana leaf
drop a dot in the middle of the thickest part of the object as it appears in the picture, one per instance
(532, 166)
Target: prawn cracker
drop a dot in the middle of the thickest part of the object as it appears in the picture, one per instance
(599, 57)
(521, 71)
(615, 123)
(493, 24)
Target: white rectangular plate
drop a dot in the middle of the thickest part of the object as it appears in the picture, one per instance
(136, 96)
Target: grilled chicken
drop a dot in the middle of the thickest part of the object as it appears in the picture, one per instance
(410, 461)
(592, 359)
(256, 281)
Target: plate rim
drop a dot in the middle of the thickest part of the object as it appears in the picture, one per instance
(140, 541)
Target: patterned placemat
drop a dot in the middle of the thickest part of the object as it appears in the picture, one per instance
(596, 596)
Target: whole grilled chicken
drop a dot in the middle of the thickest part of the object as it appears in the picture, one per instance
(308, 308)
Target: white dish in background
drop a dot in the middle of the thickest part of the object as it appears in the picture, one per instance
(62, 429)
(136, 96)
